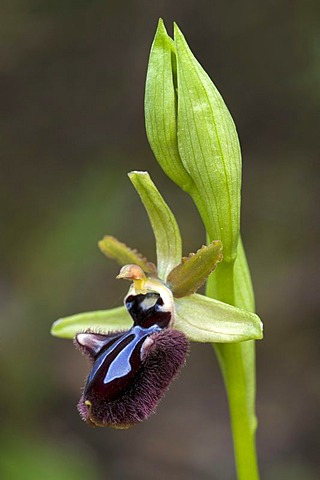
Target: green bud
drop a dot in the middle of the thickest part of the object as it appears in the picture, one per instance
(161, 108)
(193, 136)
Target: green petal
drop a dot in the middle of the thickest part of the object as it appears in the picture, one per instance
(209, 149)
(163, 222)
(124, 255)
(204, 319)
(103, 321)
(161, 108)
(187, 277)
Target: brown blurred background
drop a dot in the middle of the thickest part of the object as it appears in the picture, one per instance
(71, 86)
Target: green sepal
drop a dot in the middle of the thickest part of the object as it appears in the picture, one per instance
(209, 149)
(187, 277)
(103, 321)
(161, 107)
(163, 222)
(124, 255)
(203, 319)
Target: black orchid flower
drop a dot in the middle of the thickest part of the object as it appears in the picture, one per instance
(131, 370)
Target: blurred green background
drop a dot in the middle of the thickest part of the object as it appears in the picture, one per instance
(71, 85)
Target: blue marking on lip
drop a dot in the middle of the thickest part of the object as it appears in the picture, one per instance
(121, 366)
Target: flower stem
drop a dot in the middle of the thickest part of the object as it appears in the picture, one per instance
(237, 363)
(234, 370)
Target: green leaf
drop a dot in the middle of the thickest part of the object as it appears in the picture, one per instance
(163, 222)
(209, 149)
(204, 319)
(161, 107)
(241, 286)
(103, 321)
(243, 289)
(124, 255)
(187, 277)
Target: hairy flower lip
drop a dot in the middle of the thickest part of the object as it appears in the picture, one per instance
(161, 360)
(90, 420)
(94, 422)
(129, 378)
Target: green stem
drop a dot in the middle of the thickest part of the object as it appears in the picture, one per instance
(224, 285)
(234, 369)
(237, 363)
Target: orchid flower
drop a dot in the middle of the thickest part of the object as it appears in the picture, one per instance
(163, 344)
